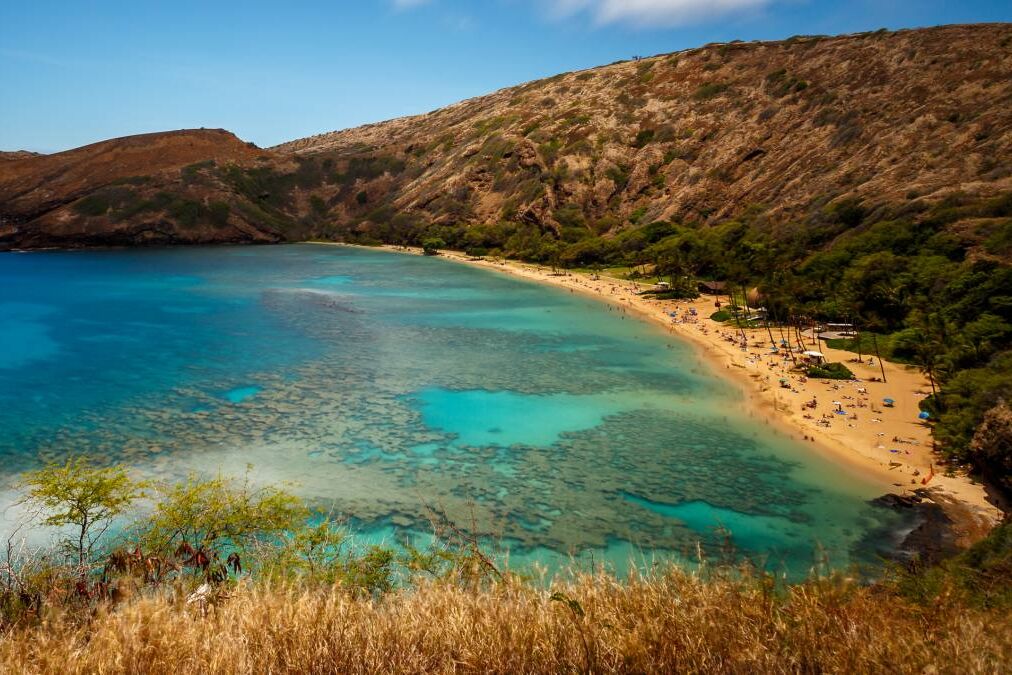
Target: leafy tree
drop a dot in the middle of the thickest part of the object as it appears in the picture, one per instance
(874, 285)
(985, 334)
(969, 394)
(432, 245)
(323, 553)
(934, 337)
(81, 496)
(218, 515)
(919, 289)
(312, 552)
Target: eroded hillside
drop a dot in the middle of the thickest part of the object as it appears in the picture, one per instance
(133, 190)
(704, 134)
(780, 133)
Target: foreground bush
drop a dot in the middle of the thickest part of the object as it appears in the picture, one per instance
(220, 576)
(671, 622)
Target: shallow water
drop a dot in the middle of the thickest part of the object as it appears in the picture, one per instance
(381, 384)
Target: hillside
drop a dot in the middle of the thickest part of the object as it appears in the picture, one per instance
(133, 190)
(781, 128)
(17, 154)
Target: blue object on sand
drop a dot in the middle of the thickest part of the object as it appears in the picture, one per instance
(925, 415)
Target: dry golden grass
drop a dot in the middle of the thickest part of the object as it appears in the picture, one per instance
(673, 622)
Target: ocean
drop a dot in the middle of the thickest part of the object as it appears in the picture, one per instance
(384, 388)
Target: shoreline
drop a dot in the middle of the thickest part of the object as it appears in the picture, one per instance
(887, 446)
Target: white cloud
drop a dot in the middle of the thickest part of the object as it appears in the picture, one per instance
(654, 12)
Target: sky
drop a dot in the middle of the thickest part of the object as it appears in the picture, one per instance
(75, 72)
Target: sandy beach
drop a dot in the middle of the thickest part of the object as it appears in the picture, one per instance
(889, 445)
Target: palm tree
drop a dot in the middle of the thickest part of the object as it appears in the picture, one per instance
(931, 349)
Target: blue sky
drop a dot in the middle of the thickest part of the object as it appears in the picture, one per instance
(75, 72)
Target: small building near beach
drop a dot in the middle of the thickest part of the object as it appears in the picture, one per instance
(713, 287)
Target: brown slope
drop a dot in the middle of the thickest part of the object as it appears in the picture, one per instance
(704, 134)
(9, 156)
(33, 185)
(781, 128)
(52, 200)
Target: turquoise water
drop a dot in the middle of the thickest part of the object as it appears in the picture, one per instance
(379, 385)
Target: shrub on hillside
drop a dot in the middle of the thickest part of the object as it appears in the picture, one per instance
(710, 90)
(92, 205)
(644, 137)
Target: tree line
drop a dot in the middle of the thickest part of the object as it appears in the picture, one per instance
(928, 284)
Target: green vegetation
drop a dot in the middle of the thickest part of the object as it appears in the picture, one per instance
(892, 347)
(710, 90)
(93, 205)
(219, 515)
(81, 497)
(220, 575)
(618, 175)
(918, 288)
(644, 72)
(779, 84)
(721, 316)
(367, 168)
(218, 212)
(980, 575)
(926, 283)
(830, 371)
(197, 531)
(317, 205)
(490, 124)
(644, 137)
(262, 185)
(186, 212)
(432, 245)
(267, 197)
(191, 173)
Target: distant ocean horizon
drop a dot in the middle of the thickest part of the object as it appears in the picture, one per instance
(379, 386)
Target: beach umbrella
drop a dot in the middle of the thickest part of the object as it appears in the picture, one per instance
(924, 415)
(888, 401)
